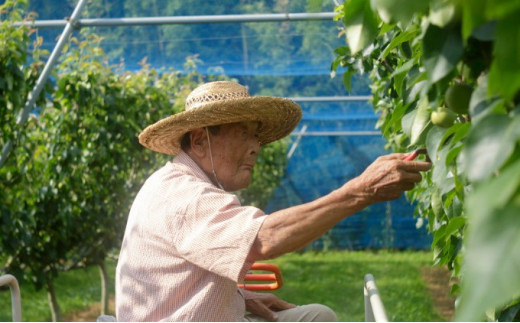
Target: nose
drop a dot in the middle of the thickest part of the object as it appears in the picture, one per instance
(255, 145)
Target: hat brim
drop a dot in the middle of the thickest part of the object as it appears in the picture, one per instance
(277, 117)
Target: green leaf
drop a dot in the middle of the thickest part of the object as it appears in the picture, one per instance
(421, 121)
(491, 261)
(449, 229)
(433, 141)
(441, 175)
(405, 36)
(394, 11)
(415, 122)
(443, 49)
(472, 16)
(489, 145)
(499, 9)
(436, 203)
(444, 12)
(504, 73)
(481, 104)
(360, 24)
(347, 79)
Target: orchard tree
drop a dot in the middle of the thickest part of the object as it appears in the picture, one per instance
(445, 75)
(77, 165)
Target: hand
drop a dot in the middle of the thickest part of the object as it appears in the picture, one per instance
(388, 176)
(265, 305)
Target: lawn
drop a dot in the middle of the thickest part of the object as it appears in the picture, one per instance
(334, 278)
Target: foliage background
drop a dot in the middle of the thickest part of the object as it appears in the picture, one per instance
(76, 165)
(94, 88)
(281, 58)
(413, 55)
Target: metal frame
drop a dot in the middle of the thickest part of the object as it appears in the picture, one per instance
(169, 20)
(374, 309)
(38, 87)
(16, 301)
(74, 22)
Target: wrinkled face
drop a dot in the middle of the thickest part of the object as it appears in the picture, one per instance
(234, 150)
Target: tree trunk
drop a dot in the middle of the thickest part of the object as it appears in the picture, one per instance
(53, 302)
(104, 287)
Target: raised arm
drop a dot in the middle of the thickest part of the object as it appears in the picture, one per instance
(293, 228)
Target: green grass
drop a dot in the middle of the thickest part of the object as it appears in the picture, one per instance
(336, 280)
(333, 278)
(75, 290)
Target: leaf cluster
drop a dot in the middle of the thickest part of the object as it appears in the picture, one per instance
(415, 55)
(77, 165)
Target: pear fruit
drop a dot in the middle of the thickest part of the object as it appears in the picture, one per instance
(443, 117)
(457, 98)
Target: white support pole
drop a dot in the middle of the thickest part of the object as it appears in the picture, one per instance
(169, 20)
(16, 300)
(374, 309)
(31, 98)
(297, 141)
(343, 98)
(335, 133)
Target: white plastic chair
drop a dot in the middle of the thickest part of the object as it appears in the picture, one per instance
(374, 309)
(16, 301)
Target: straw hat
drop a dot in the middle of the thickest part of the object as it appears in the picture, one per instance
(222, 102)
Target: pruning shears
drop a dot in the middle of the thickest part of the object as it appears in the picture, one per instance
(411, 156)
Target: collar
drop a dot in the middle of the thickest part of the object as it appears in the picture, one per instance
(184, 161)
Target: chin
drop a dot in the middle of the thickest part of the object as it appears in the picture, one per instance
(242, 185)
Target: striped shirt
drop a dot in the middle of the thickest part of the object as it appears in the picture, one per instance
(184, 249)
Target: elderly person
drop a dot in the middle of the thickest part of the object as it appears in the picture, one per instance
(189, 241)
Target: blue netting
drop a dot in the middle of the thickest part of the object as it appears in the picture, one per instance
(319, 164)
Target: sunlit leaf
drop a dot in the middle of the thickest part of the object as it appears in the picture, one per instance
(491, 262)
(394, 11)
(433, 141)
(489, 145)
(360, 24)
(420, 122)
(444, 12)
(441, 175)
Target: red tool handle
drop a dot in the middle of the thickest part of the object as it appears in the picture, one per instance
(414, 154)
(275, 277)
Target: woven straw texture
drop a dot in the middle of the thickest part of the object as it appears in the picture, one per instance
(218, 103)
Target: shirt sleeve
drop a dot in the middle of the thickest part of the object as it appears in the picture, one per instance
(216, 232)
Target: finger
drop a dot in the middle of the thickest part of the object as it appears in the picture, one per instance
(415, 166)
(391, 156)
(411, 177)
(268, 314)
(280, 305)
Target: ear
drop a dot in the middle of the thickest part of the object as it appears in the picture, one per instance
(198, 142)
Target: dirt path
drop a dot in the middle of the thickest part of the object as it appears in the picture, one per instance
(439, 284)
(90, 314)
(437, 281)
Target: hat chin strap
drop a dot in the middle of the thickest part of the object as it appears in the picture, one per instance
(211, 159)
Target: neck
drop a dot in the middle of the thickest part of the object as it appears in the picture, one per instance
(206, 166)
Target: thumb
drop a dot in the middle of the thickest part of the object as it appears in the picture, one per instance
(281, 305)
(263, 311)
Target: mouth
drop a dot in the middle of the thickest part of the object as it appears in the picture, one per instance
(248, 166)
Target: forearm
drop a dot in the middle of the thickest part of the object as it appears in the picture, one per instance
(293, 228)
